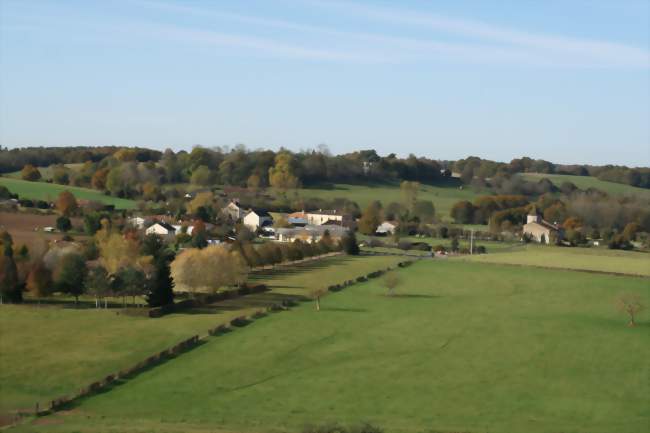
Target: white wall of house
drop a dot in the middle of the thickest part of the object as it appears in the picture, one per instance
(158, 229)
(253, 221)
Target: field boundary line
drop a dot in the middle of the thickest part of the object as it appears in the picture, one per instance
(115, 379)
(557, 268)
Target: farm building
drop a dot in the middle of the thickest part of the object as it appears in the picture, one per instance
(161, 229)
(321, 217)
(310, 233)
(137, 222)
(257, 218)
(297, 219)
(540, 230)
(233, 210)
(387, 228)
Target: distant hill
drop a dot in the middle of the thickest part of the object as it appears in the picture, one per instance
(585, 182)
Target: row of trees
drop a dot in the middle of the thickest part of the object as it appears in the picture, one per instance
(474, 167)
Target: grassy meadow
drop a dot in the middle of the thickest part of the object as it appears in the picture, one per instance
(585, 182)
(443, 197)
(463, 346)
(50, 191)
(49, 351)
(588, 259)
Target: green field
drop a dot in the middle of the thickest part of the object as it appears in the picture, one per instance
(46, 172)
(443, 197)
(49, 191)
(464, 346)
(47, 352)
(588, 259)
(584, 182)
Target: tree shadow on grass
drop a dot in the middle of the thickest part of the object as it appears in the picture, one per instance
(342, 310)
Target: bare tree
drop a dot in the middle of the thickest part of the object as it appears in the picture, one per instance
(316, 294)
(631, 305)
(391, 281)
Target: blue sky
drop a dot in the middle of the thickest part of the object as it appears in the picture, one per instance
(567, 81)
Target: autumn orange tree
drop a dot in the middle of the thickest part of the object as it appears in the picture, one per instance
(66, 203)
(31, 173)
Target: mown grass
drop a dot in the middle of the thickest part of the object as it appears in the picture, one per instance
(49, 351)
(588, 259)
(585, 182)
(443, 197)
(462, 347)
(50, 191)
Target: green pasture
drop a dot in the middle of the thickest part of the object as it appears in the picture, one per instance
(588, 259)
(443, 197)
(462, 347)
(50, 191)
(48, 351)
(46, 172)
(490, 246)
(584, 182)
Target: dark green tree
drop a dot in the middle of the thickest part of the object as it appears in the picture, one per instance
(160, 285)
(63, 223)
(10, 286)
(71, 276)
(350, 245)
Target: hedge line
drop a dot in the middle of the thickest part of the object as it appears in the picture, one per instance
(238, 322)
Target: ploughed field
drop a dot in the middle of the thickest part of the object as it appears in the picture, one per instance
(462, 346)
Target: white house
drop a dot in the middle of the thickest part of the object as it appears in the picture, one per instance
(257, 218)
(233, 210)
(321, 217)
(161, 229)
(387, 228)
(137, 222)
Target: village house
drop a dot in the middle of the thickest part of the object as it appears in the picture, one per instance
(161, 229)
(297, 219)
(233, 210)
(386, 228)
(310, 233)
(321, 217)
(137, 222)
(540, 230)
(258, 218)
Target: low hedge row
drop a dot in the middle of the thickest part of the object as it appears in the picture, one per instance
(364, 278)
(184, 345)
(61, 402)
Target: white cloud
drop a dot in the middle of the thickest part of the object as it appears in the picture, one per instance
(489, 44)
(589, 52)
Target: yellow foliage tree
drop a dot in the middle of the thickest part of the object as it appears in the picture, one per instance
(281, 175)
(204, 199)
(208, 269)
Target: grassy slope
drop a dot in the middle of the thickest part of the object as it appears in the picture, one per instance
(442, 197)
(584, 182)
(592, 259)
(467, 347)
(47, 352)
(49, 191)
